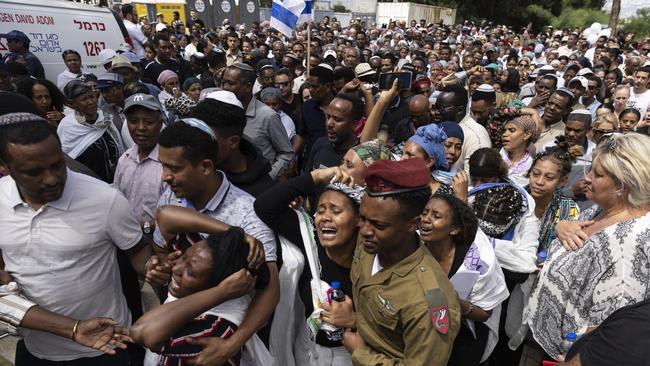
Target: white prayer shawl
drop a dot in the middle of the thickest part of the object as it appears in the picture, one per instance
(289, 318)
(64, 78)
(76, 138)
(489, 289)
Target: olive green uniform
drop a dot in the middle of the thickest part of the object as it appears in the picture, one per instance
(407, 314)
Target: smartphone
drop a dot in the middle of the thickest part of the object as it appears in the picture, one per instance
(386, 80)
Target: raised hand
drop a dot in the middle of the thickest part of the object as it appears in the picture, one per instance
(103, 334)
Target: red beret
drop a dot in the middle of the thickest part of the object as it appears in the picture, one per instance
(387, 177)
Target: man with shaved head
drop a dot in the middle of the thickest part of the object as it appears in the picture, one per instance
(419, 115)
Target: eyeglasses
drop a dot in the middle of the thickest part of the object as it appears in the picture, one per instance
(524, 65)
(282, 85)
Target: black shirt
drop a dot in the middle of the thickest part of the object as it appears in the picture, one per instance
(322, 154)
(255, 179)
(292, 109)
(272, 207)
(312, 124)
(153, 69)
(397, 111)
(622, 339)
(402, 131)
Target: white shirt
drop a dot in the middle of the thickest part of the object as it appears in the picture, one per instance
(488, 289)
(63, 256)
(639, 101)
(137, 37)
(476, 137)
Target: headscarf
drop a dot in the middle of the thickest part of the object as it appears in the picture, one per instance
(371, 151)
(189, 82)
(355, 193)
(452, 129)
(271, 92)
(75, 88)
(528, 125)
(165, 76)
(498, 207)
(430, 139)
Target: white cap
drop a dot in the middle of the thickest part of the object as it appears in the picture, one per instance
(585, 71)
(160, 27)
(329, 53)
(581, 79)
(106, 55)
(226, 97)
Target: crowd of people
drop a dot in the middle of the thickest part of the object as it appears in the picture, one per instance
(374, 194)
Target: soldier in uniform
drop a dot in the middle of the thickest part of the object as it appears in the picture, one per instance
(407, 310)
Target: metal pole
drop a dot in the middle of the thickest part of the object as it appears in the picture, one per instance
(308, 45)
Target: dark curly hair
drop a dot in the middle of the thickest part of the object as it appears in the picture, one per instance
(562, 153)
(411, 204)
(463, 217)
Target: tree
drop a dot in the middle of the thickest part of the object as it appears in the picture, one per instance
(616, 10)
(339, 8)
(638, 24)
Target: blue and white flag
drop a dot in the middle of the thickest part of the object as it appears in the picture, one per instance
(307, 13)
(285, 14)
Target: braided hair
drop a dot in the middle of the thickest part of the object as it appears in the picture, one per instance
(562, 153)
(463, 217)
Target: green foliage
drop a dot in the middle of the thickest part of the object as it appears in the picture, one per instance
(338, 8)
(537, 17)
(580, 18)
(520, 13)
(638, 24)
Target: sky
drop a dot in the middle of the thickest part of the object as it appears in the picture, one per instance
(628, 7)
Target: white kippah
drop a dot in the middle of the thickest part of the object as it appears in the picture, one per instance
(327, 66)
(485, 88)
(226, 97)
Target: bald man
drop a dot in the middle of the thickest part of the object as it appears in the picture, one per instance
(419, 115)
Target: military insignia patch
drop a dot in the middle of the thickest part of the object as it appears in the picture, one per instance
(440, 318)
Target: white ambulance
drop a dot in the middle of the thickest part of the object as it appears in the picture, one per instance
(56, 25)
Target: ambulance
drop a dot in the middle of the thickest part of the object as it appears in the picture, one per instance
(54, 26)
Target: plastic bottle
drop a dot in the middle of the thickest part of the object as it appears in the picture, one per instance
(332, 332)
(568, 341)
(541, 258)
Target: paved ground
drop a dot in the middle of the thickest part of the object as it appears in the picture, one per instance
(8, 343)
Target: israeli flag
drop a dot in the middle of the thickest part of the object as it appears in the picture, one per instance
(285, 14)
(307, 14)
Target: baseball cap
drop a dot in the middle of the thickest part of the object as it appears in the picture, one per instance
(16, 35)
(106, 55)
(143, 100)
(580, 79)
(329, 53)
(109, 80)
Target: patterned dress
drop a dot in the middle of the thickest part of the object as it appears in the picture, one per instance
(579, 289)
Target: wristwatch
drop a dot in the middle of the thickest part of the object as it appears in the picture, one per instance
(146, 228)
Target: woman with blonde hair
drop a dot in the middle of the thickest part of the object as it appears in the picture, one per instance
(604, 124)
(600, 263)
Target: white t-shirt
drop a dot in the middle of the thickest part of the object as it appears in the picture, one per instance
(137, 37)
(639, 101)
(63, 256)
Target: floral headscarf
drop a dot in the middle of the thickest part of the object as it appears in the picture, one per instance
(371, 151)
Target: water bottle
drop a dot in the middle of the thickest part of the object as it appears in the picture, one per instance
(541, 258)
(568, 341)
(332, 332)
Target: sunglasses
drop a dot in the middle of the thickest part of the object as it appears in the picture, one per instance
(602, 132)
(524, 65)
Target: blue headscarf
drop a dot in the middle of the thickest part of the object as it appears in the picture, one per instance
(430, 139)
